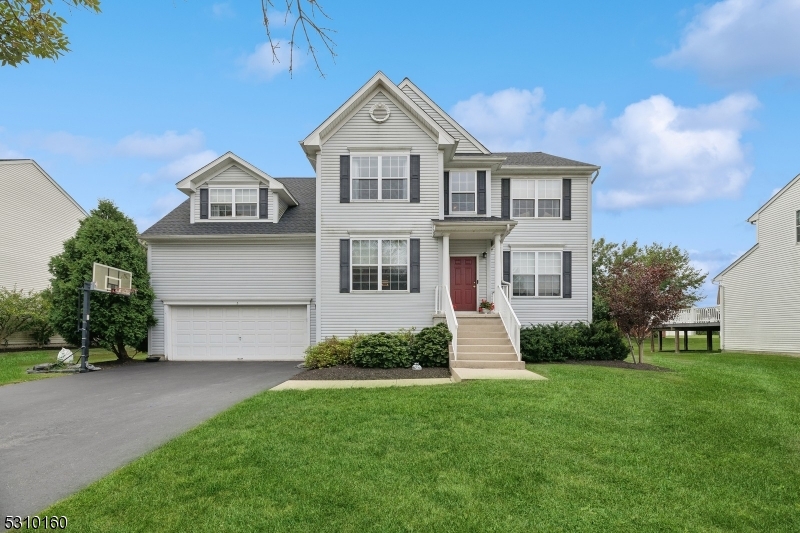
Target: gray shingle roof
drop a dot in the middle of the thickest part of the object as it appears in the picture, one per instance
(297, 219)
(536, 159)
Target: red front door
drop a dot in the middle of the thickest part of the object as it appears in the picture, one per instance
(463, 280)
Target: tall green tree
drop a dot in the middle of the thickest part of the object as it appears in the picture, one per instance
(33, 28)
(106, 236)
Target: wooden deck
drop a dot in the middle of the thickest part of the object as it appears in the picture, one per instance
(692, 319)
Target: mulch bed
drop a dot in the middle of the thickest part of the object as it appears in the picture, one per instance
(354, 372)
(622, 364)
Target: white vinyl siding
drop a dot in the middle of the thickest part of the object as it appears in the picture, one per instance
(37, 217)
(545, 234)
(208, 273)
(342, 314)
(761, 294)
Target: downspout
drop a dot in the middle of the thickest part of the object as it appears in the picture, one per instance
(596, 173)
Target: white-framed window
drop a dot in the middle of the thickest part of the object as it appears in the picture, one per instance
(379, 264)
(379, 177)
(536, 273)
(463, 187)
(233, 203)
(535, 198)
(797, 217)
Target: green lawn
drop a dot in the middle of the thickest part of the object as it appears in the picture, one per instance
(712, 446)
(14, 364)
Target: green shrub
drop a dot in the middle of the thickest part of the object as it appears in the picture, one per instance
(607, 342)
(430, 346)
(382, 350)
(559, 342)
(331, 352)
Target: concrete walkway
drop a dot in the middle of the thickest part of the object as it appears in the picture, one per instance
(58, 435)
(307, 384)
(459, 374)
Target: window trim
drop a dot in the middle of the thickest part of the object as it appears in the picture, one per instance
(380, 240)
(450, 193)
(537, 251)
(380, 178)
(233, 203)
(536, 198)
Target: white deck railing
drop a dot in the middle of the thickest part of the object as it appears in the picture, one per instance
(503, 307)
(696, 315)
(450, 315)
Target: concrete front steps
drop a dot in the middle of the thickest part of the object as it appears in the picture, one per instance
(484, 344)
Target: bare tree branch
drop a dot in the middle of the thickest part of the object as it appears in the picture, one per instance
(305, 20)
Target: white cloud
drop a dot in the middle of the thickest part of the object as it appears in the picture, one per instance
(736, 41)
(223, 10)
(711, 262)
(181, 167)
(659, 152)
(654, 152)
(160, 207)
(63, 143)
(262, 65)
(168, 145)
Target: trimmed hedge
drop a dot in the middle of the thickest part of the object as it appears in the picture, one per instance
(382, 350)
(331, 352)
(600, 340)
(429, 347)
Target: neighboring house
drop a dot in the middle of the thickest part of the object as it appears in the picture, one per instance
(38, 216)
(405, 202)
(759, 294)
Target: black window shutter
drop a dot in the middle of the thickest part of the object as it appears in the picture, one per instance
(263, 203)
(507, 266)
(414, 196)
(505, 198)
(446, 193)
(566, 207)
(344, 265)
(566, 267)
(344, 180)
(414, 265)
(203, 203)
(481, 192)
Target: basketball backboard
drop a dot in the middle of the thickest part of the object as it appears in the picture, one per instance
(110, 279)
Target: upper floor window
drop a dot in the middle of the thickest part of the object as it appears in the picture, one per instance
(462, 192)
(536, 273)
(797, 215)
(232, 203)
(379, 264)
(383, 177)
(535, 198)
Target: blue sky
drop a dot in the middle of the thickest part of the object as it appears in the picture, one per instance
(691, 109)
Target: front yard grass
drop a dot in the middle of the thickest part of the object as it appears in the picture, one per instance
(712, 446)
(14, 364)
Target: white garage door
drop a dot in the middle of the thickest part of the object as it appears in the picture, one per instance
(241, 333)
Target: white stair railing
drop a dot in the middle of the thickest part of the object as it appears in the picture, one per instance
(450, 314)
(509, 317)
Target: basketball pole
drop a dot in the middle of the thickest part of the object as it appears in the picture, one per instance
(87, 291)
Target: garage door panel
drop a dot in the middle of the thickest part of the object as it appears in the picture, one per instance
(230, 333)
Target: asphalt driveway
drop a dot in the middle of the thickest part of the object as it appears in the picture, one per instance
(58, 435)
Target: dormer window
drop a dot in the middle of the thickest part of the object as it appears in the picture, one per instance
(233, 203)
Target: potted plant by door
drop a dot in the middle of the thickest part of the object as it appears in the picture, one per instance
(486, 307)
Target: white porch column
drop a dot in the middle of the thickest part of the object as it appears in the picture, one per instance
(446, 260)
(498, 261)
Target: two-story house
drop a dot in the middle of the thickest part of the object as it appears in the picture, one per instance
(409, 220)
(759, 293)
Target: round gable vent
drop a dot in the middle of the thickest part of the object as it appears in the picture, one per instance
(379, 113)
